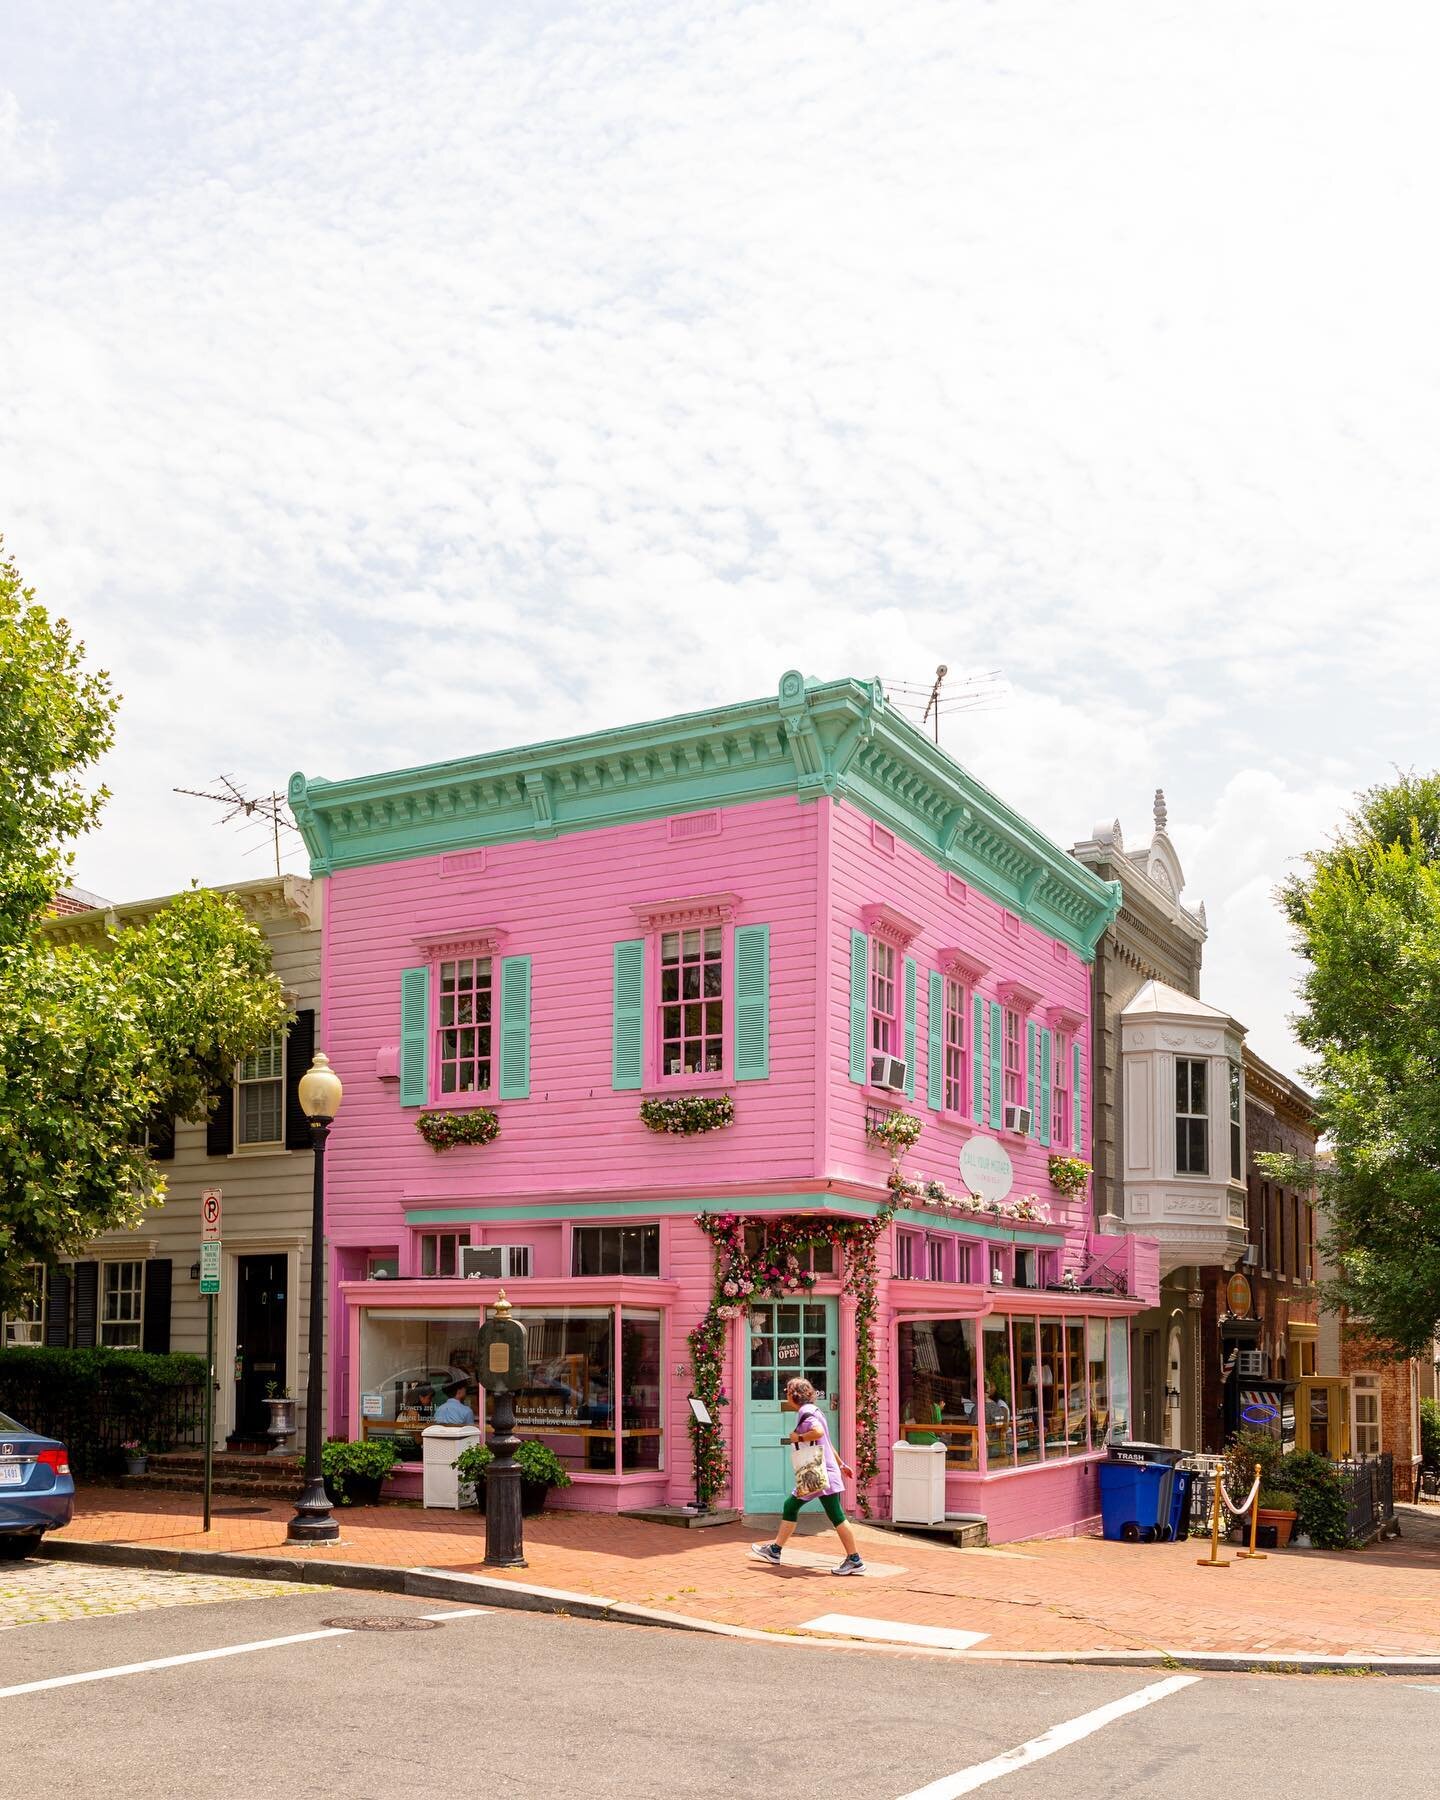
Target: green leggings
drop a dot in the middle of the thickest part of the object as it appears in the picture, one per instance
(832, 1503)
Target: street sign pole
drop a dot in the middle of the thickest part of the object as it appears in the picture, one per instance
(209, 1287)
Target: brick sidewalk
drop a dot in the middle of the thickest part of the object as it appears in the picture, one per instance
(1073, 1594)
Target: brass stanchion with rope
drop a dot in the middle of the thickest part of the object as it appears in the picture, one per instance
(1252, 1553)
(1214, 1560)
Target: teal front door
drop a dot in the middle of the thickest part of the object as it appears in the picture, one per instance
(786, 1338)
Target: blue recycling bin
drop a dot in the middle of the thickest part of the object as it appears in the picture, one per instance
(1132, 1496)
(1182, 1488)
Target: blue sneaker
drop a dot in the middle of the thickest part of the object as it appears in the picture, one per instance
(852, 1565)
(766, 1553)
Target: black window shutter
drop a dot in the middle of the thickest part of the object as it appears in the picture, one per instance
(155, 1318)
(162, 1138)
(220, 1131)
(87, 1304)
(57, 1308)
(299, 1053)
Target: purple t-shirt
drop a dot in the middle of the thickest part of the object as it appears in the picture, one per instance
(806, 1420)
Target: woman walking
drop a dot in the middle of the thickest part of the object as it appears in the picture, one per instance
(819, 1475)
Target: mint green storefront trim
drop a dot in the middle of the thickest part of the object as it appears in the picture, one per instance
(533, 1212)
(840, 738)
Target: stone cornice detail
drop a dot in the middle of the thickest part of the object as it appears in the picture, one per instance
(474, 940)
(699, 909)
(840, 739)
(289, 898)
(889, 924)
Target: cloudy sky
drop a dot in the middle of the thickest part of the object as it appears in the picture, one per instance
(383, 382)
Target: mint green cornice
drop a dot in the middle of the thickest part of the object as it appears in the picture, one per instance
(840, 738)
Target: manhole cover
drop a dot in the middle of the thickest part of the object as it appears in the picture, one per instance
(234, 1512)
(382, 1622)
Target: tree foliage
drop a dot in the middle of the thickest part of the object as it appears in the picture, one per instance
(95, 1041)
(1366, 917)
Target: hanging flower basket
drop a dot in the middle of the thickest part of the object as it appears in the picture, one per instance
(897, 1131)
(687, 1115)
(1068, 1174)
(443, 1130)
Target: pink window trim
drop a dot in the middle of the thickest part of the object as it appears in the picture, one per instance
(468, 1097)
(895, 1032)
(656, 1080)
(1060, 1093)
(1014, 1046)
(958, 1013)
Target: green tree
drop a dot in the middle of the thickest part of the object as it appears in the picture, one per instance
(1366, 917)
(94, 1042)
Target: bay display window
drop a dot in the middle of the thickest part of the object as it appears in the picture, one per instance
(572, 1401)
(938, 1388)
(1237, 1155)
(884, 1024)
(26, 1326)
(692, 1003)
(1365, 1414)
(1098, 1376)
(1077, 1410)
(440, 1252)
(1049, 1381)
(1060, 1068)
(1119, 1330)
(615, 1250)
(122, 1289)
(406, 1358)
(956, 1082)
(260, 1094)
(1192, 1117)
(1014, 1059)
(999, 1394)
(1028, 1407)
(463, 1025)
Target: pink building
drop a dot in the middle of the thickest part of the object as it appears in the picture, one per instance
(796, 915)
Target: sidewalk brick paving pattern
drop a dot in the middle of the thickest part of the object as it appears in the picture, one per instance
(1059, 1595)
(43, 1593)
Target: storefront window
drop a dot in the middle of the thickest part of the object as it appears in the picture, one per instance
(936, 1379)
(1029, 1417)
(1099, 1389)
(568, 1399)
(641, 1425)
(405, 1360)
(1077, 1413)
(1119, 1379)
(999, 1394)
(1051, 1384)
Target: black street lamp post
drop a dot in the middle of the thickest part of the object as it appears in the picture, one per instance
(320, 1093)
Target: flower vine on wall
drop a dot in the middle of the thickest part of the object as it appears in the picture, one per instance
(934, 1196)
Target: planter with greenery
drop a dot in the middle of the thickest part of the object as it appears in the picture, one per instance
(134, 1451)
(472, 1125)
(1068, 1175)
(897, 1131)
(540, 1470)
(1322, 1515)
(354, 1469)
(1277, 1508)
(687, 1115)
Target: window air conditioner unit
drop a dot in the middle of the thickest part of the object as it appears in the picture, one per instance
(1250, 1256)
(494, 1262)
(888, 1072)
(1251, 1363)
(1017, 1118)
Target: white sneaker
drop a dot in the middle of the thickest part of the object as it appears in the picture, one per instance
(852, 1565)
(766, 1553)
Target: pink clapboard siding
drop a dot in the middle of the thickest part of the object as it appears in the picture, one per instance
(565, 904)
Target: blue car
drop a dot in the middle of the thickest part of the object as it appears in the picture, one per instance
(36, 1492)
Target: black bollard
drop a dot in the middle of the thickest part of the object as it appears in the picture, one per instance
(504, 1522)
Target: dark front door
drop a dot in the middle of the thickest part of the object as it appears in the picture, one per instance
(260, 1315)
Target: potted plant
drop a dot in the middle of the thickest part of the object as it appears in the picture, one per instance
(282, 1418)
(134, 1451)
(1277, 1508)
(540, 1470)
(355, 1468)
(1324, 1519)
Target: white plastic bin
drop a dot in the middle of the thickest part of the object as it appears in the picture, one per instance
(441, 1444)
(917, 1484)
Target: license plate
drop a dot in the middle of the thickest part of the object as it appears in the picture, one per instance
(11, 1474)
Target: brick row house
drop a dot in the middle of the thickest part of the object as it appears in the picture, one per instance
(798, 907)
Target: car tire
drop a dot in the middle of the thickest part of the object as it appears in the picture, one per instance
(13, 1546)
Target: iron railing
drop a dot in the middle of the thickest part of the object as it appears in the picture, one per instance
(1368, 1484)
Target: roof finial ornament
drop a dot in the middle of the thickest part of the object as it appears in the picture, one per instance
(1160, 812)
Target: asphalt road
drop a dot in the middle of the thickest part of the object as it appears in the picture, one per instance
(533, 1706)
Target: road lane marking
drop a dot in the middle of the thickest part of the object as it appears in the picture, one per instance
(894, 1631)
(197, 1656)
(948, 1787)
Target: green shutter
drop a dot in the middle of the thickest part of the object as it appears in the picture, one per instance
(1075, 1100)
(627, 1044)
(1032, 1034)
(415, 1036)
(859, 1003)
(752, 1002)
(977, 1060)
(910, 982)
(515, 1028)
(997, 1051)
(935, 1062)
(1047, 1051)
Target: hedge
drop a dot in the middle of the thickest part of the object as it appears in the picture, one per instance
(94, 1400)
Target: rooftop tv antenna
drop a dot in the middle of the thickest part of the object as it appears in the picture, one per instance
(975, 693)
(266, 809)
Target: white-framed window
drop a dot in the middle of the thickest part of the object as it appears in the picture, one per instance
(1237, 1152)
(260, 1094)
(440, 1252)
(884, 1025)
(1365, 1415)
(27, 1326)
(956, 1080)
(692, 1002)
(122, 1296)
(1192, 1117)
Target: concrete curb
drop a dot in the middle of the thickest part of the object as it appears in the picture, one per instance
(517, 1596)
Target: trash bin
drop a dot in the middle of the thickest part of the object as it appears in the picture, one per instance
(1176, 1512)
(1131, 1498)
(440, 1445)
(917, 1484)
(1146, 1453)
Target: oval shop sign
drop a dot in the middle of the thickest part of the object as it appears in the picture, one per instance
(986, 1169)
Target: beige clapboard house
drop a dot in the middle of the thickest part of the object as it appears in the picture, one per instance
(141, 1289)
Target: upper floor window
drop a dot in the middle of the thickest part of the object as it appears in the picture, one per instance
(1014, 1059)
(884, 1026)
(929, 1256)
(1192, 1117)
(27, 1326)
(1365, 1414)
(1237, 1154)
(956, 1061)
(122, 1290)
(260, 1094)
(463, 1025)
(692, 1004)
(440, 1251)
(1060, 1091)
(615, 1250)
(819, 1259)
